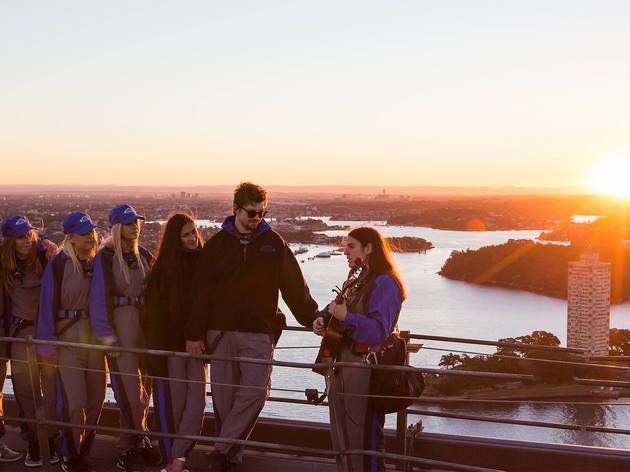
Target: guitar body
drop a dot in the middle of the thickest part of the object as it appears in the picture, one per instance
(331, 341)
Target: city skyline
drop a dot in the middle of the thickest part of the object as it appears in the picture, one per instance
(456, 94)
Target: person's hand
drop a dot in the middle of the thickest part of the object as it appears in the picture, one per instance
(338, 310)
(49, 247)
(319, 326)
(195, 347)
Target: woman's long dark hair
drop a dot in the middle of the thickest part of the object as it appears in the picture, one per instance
(167, 276)
(379, 261)
(8, 260)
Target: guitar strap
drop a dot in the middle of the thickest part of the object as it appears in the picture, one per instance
(215, 343)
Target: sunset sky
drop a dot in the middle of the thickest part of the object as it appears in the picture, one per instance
(428, 93)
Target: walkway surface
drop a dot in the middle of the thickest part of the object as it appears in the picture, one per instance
(104, 459)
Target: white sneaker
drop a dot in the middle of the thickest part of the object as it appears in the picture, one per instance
(9, 455)
(54, 458)
(30, 461)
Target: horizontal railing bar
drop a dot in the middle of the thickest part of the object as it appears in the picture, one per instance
(429, 370)
(602, 382)
(258, 444)
(530, 359)
(536, 347)
(541, 424)
(438, 400)
(610, 358)
(158, 434)
(483, 342)
(250, 360)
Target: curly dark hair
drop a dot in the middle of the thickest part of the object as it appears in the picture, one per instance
(247, 192)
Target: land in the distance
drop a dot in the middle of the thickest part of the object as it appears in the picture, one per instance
(543, 268)
(290, 212)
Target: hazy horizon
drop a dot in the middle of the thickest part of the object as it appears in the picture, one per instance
(409, 93)
(225, 189)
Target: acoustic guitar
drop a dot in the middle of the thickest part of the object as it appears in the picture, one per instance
(331, 341)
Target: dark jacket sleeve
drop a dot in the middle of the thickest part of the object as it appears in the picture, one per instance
(294, 290)
(155, 327)
(202, 292)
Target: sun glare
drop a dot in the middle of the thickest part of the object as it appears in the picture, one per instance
(612, 177)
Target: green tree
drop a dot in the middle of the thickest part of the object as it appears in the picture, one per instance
(451, 360)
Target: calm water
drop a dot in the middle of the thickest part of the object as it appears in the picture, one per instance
(439, 306)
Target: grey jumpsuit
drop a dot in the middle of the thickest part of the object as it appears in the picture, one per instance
(82, 377)
(24, 306)
(115, 311)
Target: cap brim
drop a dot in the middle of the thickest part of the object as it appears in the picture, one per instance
(23, 231)
(87, 229)
(131, 219)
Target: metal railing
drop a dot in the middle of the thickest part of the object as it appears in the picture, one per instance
(41, 420)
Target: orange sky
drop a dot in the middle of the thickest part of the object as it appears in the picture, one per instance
(413, 93)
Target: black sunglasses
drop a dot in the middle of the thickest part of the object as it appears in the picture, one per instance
(253, 213)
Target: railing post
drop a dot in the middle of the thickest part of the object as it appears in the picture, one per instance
(40, 409)
(401, 416)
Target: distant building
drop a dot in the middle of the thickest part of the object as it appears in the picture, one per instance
(382, 196)
(588, 312)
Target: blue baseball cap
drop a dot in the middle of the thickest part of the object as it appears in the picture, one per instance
(16, 226)
(123, 214)
(78, 222)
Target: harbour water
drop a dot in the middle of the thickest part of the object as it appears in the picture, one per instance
(444, 307)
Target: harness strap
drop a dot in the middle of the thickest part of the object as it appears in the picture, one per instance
(16, 324)
(65, 314)
(123, 301)
(17, 321)
(74, 320)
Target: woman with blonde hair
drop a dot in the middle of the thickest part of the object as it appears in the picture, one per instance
(64, 316)
(23, 257)
(116, 302)
(368, 316)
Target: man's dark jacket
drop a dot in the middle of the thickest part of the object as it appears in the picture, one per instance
(237, 280)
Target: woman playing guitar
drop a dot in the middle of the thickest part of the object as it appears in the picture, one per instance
(367, 315)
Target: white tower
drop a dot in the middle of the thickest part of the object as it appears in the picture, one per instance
(588, 312)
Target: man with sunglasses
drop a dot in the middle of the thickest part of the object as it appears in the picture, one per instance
(235, 314)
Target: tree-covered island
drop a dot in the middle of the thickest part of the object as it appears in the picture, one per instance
(543, 268)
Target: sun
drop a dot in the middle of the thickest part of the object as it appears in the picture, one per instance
(612, 177)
